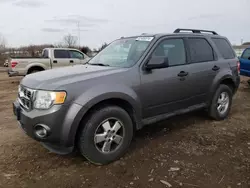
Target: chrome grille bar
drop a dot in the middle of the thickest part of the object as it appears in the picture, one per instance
(25, 96)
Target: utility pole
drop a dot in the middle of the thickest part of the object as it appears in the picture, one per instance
(79, 33)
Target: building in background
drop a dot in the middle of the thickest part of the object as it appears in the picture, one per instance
(239, 49)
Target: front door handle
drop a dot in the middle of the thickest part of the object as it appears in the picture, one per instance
(71, 61)
(55, 61)
(183, 74)
(215, 68)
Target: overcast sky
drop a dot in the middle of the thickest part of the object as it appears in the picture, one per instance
(24, 22)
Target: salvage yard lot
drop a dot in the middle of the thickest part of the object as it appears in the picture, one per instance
(185, 151)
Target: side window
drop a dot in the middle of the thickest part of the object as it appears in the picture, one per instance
(76, 55)
(200, 50)
(246, 54)
(224, 48)
(173, 49)
(61, 54)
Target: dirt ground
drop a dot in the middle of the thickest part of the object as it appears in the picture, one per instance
(185, 151)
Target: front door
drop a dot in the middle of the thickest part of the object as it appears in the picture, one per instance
(245, 63)
(165, 90)
(77, 57)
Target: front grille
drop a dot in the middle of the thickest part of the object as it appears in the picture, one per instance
(25, 96)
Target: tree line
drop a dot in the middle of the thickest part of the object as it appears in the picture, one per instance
(68, 41)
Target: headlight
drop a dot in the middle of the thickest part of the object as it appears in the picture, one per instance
(19, 88)
(45, 99)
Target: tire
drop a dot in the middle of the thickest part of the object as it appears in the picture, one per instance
(34, 71)
(215, 110)
(92, 148)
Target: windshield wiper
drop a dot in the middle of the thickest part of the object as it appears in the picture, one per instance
(99, 64)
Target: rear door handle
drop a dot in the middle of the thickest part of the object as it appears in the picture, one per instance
(183, 74)
(215, 68)
(55, 61)
(71, 61)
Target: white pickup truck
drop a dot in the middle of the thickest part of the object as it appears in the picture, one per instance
(51, 58)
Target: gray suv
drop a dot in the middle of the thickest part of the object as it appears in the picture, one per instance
(134, 81)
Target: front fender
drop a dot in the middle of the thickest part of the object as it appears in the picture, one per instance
(103, 92)
(92, 97)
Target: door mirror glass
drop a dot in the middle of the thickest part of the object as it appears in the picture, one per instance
(157, 62)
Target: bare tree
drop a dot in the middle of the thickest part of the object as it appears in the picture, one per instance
(2, 49)
(2, 43)
(103, 46)
(70, 40)
(246, 43)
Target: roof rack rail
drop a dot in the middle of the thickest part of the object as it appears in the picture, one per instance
(195, 31)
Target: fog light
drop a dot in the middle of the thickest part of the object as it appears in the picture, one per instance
(41, 131)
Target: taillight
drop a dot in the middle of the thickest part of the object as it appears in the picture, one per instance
(238, 66)
(13, 64)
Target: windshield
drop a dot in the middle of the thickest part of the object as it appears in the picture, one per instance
(122, 52)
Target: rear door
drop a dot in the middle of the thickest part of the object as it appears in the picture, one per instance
(203, 68)
(61, 58)
(245, 63)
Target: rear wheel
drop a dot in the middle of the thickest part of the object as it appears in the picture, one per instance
(106, 135)
(221, 103)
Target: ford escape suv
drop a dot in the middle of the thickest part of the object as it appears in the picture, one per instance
(133, 82)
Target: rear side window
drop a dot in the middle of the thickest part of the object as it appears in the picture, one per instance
(45, 54)
(61, 54)
(246, 54)
(224, 48)
(200, 50)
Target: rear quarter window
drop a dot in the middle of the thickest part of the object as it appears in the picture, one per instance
(45, 54)
(61, 54)
(224, 48)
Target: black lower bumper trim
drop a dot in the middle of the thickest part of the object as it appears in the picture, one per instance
(58, 149)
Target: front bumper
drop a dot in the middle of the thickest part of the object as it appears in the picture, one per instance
(62, 120)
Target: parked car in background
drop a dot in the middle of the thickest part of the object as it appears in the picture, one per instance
(245, 63)
(133, 82)
(51, 58)
(6, 63)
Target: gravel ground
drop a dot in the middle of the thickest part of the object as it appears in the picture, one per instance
(184, 151)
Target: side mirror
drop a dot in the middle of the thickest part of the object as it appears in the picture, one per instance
(157, 63)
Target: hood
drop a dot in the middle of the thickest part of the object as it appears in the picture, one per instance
(54, 78)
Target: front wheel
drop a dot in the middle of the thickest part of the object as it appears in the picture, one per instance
(221, 103)
(106, 135)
